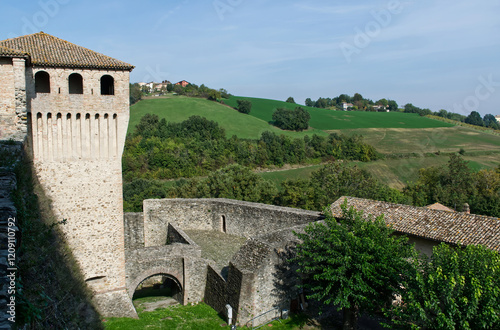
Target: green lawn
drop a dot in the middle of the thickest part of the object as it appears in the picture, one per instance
(324, 119)
(444, 139)
(180, 108)
(394, 172)
(196, 317)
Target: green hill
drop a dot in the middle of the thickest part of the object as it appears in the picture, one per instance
(389, 133)
(325, 119)
(180, 108)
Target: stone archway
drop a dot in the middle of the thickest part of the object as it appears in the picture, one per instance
(160, 285)
(171, 274)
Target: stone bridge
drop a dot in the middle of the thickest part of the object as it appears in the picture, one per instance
(180, 260)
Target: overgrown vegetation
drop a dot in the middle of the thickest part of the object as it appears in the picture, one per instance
(326, 185)
(195, 147)
(244, 106)
(456, 288)
(456, 184)
(50, 292)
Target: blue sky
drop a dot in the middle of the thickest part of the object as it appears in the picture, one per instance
(435, 54)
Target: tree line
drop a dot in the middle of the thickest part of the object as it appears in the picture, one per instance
(136, 92)
(452, 185)
(357, 100)
(161, 150)
(363, 104)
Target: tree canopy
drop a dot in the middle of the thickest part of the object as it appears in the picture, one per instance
(456, 288)
(244, 106)
(293, 120)
(354, 264)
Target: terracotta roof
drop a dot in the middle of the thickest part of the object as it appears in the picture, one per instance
(47, 50)
(442, 226)
(4, 51)
(439, 206)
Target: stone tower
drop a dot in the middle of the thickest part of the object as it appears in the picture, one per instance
(74, 104)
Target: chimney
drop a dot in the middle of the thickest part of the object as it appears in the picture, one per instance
(466, 208)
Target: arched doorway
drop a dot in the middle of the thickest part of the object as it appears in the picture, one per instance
(158, 291)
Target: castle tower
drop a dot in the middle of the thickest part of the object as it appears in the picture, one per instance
(76, 110)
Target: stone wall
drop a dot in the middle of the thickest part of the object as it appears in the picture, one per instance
(13, 108)
(215, 291)
(177, 235)
(134, 230)
(181, 261)
(9, 237)
(78, 126)
(184, 213)
(232, 216)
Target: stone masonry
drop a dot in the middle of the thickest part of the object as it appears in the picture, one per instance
(74, 104)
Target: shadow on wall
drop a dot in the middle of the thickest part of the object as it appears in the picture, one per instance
(54, 293)
(286, 282)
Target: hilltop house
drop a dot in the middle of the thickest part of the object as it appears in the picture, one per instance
(183, 83)
(497, 117)
(346, 106)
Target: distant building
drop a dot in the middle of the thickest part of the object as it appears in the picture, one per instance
(379, 107)
(346, 106)
(183, 83)
(497, 117)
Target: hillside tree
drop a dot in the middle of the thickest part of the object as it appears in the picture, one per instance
(290, 100)
(293, 120)
(244, 106)
(474, 118)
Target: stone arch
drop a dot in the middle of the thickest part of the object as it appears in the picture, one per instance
(42, 82)
(107, 85)
(172, 274)
(75, 83)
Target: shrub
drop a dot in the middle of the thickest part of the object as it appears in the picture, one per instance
(244, 106)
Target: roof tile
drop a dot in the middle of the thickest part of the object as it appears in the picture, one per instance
(450, 227)
(47, 50)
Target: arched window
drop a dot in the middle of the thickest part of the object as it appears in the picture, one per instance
(75, 83)
(107, 85)
(42, 82)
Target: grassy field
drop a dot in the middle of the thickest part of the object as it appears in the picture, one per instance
(389, 133)
(394, 172)
(444, 139)
(177, 317)
(324, 119)
(180, 108)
